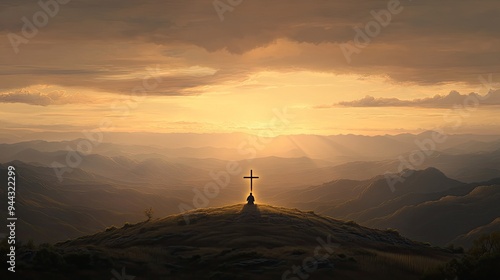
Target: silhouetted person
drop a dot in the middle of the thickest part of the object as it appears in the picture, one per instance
(250, 199)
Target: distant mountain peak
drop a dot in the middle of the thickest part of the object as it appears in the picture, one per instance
(434, 171)
(428, 174)
(385, 188)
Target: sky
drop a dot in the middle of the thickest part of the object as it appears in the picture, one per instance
(318, 66)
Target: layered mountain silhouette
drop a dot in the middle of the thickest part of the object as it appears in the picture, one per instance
(425, 221)
(424, 196)
(450, 198)
(468, 238)
(85, 203)
(465, 157)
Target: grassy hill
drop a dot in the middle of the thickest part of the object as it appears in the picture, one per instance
(235, 242)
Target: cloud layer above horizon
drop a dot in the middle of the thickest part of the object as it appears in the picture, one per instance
(70, 55)
(454, 98)
(88, 42)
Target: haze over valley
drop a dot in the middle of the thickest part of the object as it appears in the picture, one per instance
(238, 139)
(115, 182)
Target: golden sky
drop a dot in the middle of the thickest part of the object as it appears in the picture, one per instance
(225, 66)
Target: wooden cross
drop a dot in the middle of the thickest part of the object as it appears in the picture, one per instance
(251, 177)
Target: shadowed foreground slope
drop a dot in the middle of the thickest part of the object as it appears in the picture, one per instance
(237, 242)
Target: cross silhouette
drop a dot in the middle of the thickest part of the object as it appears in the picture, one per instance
(251, 177)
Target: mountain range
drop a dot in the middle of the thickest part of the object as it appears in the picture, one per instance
(116, 181)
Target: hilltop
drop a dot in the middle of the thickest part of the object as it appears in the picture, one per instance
(237, 242)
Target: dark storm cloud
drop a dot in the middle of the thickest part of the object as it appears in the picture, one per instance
(429, 42)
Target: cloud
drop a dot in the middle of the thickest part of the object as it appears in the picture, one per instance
(429, 42)
(438, 101)
(42, 99)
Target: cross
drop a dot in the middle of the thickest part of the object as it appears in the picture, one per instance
(251, 177)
